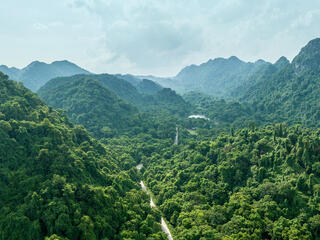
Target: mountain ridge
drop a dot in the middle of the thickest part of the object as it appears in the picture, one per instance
(37, 73)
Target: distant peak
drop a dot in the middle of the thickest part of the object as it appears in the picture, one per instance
(220, 59)
(35, 63)
(309, 56)
(62, 62)
(260, 61)
(282, 60)
(234, 58)
(315, 43)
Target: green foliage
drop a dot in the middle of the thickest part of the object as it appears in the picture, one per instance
(87, 102)
(241, 186)
(56, 182)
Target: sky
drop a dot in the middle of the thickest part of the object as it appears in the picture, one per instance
(157, 37)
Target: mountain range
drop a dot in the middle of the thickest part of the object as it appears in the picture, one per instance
(36, 74)
(57, 182)
(249, 170)
(107, 105)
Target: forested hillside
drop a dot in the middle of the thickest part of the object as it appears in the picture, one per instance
(217, 77)
(56, 182)
(290, 94)
(89, 103)
(112, 100)
(248, 169)
(255, 184)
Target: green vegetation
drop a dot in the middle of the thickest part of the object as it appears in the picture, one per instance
(250, 171)
(56, 182)
(291, 94)
(88, 102)
(94, 102)
(257, 184)
(148, 87)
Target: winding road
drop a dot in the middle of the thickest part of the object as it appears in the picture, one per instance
(164, 226)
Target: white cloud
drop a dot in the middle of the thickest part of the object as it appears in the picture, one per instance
(40, 26)
(154, 36)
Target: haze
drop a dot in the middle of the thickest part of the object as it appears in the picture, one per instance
(153, 37)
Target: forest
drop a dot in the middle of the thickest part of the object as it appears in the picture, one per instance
(249, 170)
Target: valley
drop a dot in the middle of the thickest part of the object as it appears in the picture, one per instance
(225, 150)
(164, 226)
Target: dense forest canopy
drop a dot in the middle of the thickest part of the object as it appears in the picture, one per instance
(248, 169)
(58, 182)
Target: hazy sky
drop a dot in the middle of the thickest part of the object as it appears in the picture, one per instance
(153, 36)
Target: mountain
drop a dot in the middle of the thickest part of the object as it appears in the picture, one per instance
(146, 95)
(89, 102)
(164, 82)
(56, 182)
(262, 73)
(133, 80)
(124, 89)
(148, 87)
(168, 102)
(36, 74)
(290, 93)
(217, 77)
(151, 98)
(309, 58)
(143, 85)
(12, 72)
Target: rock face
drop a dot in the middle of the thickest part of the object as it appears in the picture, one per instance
(36, 74)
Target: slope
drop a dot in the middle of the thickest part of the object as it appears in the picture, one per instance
(158, 100)
(217, 77)
(88, 102)
(292, 93)
(254, 184)
(148, 87)
(36, 74)
(58, 182)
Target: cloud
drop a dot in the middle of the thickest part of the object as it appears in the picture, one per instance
(163, 36)
(155, 36)
(40, 26)
(150, 34)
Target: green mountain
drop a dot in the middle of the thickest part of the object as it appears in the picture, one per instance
(12, 71)
(168, 102)
(154, 99)
(87, 101)
(56, 182)
(143, 85)
(217, 77)
(36, 74)
(148, 87)
(133, 80)
(223, 114)
(292, 92)
(124, 89)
